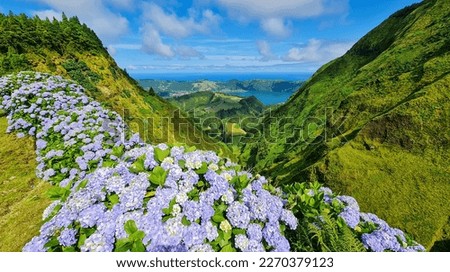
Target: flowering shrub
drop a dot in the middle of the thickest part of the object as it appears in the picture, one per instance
(74, 135)
(114, 193)
(118, 194)
(312, 202)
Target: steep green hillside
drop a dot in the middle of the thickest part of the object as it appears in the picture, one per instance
(375, 124)
(22, 194)
(72, 50)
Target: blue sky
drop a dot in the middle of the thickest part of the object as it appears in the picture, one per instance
(221, 36)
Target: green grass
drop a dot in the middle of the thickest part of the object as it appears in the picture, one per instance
(394, 185)
(22, 195)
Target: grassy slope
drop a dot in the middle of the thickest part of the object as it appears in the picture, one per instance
(375, 124)
(22, 195)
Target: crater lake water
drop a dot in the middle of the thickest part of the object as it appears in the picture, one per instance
(266, 97)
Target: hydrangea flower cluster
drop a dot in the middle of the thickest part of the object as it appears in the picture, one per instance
(172, 204)
(117, 194)
(376, 235)
(73, 134)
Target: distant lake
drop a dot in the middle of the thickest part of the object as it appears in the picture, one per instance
(267, 98)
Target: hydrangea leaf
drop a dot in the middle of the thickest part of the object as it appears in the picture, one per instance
(158, 176)
(130, 227)
(160, 154)
(228, 248)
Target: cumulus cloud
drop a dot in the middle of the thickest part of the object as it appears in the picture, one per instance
(180, 27)
(48, 13)
(317, 51)
(153, 44)
(265, 51)
(107, 24)
(276, 27)
(273, 14)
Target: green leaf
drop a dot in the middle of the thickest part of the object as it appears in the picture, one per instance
(137, 236)
(130, 227)
(123, 245)
(138, 165)
(218, 218)
(185, 221)
(118, 151)
(202, 170)
(82, 185)
(243, 181)
(52, 243)
(114, 199)
(160, 154)
(221, 208)
(82, 239)
(182, 163)
(138, 246)
(238, 231)
(168, 211)
(109, 163)
(150, 194)
(228, 248)
(56, 193)
(158, 176)
(235, 182)
(69, 249)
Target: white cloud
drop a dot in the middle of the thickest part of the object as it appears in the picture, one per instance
(284, 8)
(273, 14)
(123, 4)
(186, 52)
(276, 27)
(107, 24)
(265, 51)
(153, 44)
(49, 13)
(112, 50)
(180, 27)
(317, 51)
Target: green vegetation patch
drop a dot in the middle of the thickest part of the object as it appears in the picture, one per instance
(22, 195)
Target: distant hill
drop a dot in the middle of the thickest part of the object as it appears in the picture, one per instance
(167, 88)
(213, 111)
(71, 49)
(375, 124)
